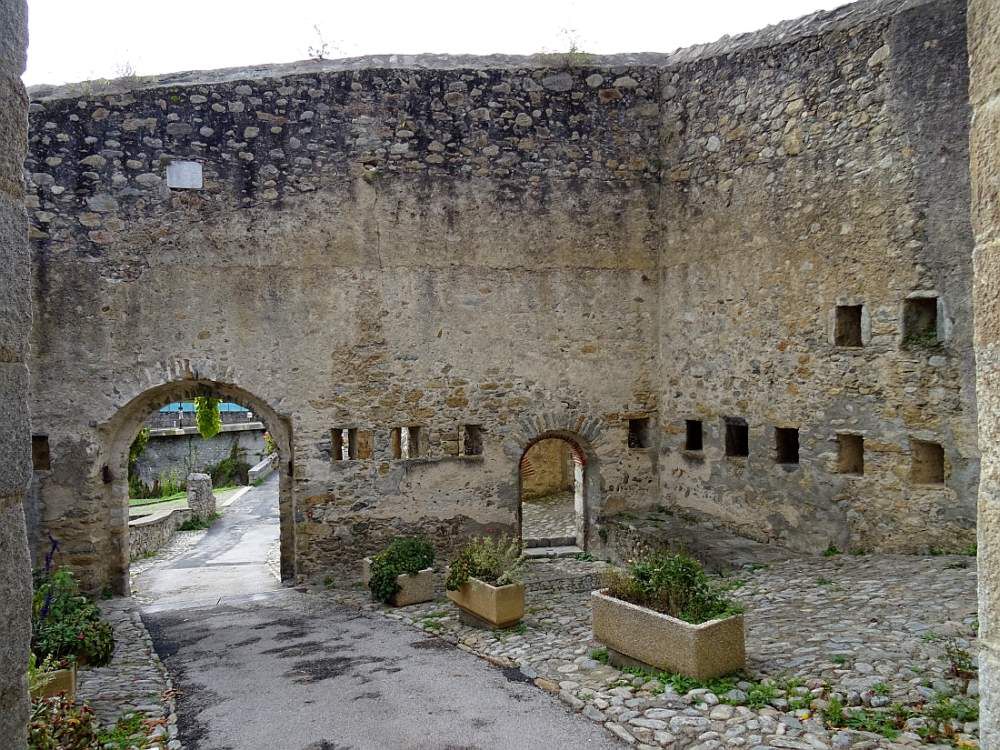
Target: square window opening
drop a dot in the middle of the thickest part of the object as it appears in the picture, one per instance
(850, 454)
(737, 437)
(694, 435)
(928, 462)
(40, 458)
(847, 329)
(920, 322)
(472, 440)
(786, 444)
(638, 433)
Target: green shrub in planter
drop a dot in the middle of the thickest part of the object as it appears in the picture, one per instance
(674, 585)
(404, 556)
(493, 560)
(66, 624)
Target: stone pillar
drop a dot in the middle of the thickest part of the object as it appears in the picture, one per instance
(984, 92)
(15, 436)
(201, 500)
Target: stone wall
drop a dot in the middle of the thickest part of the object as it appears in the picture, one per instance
(521, 248)
(431, 248)
(546, 469)
(148, 533)
(184, 453)
(15, 322)
(826, 170)
(984, 88)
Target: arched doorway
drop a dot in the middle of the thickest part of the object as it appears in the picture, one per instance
(117, 435)
(552, 493)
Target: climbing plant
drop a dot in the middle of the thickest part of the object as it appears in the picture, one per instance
(206, 411)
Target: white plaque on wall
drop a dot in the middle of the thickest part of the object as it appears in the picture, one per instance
(184, 174)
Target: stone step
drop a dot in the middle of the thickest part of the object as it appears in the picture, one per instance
(556, 541)
(562, 550)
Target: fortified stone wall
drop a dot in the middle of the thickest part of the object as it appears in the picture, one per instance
(828, 170)
(984, 90)
(15, 323)
(500, 250)
(428, 248)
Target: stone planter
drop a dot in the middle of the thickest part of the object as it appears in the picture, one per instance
(636, 636)
(489, 606)
(60, 681)
(412, 589)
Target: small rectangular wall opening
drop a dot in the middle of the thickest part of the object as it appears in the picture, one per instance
(847, 327)
(927, 465)
(40, 458)
(364, 444)
(850, 454)
(638, 432)
(920, 322)
(337, 444)
(737, 437)
(472, 440)
(694, 435)
(406, 442)
(786, 445)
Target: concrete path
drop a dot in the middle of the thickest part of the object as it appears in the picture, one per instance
(260, 667)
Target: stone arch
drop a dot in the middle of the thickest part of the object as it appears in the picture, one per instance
(584, 436)
(116, 435)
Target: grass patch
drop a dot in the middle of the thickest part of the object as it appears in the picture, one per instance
(128, 732)
(199, 524)
(831, 551)
(599, 655)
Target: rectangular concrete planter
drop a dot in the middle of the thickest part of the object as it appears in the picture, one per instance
(634, 634)
(60, 681)
(412, 589)
(490, 606)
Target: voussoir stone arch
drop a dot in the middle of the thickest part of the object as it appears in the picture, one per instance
(105, 489)
(585, 436)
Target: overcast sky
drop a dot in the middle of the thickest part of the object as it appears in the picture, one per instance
(74, 40)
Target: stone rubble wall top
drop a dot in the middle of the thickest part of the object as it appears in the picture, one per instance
(820, 22)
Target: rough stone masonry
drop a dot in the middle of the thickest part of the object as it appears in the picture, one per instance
(984, 89)
(15, 325)
(736, 278)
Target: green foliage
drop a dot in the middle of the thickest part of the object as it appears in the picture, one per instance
(681, 683)
(584, 557)
(599, 655)
(168, 485)
(270, 446)
(130, 731)
(496, 561)
(948, 708)
(57, 723)
(66, 624)
(207, 417)
(231, 470)
(199, 524)
(138, 446)
(880, 688)
(839, 659)
(971, 550)
(404, 556)
(761, 694)
(921, 340)
(675, 585)
(960, 661)
(831, 551)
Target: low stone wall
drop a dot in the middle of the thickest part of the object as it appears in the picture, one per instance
(148, 533)
(263, 469)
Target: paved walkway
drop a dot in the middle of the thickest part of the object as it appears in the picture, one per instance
(870, 631)
(256, 665)
(550, 517)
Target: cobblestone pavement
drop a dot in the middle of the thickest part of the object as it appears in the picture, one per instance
(548, 517)
(134, 682)
(867, 630)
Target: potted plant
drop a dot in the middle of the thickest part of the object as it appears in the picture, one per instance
(48, 677)
(663, 612)
(401, 574)
(484, 581)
